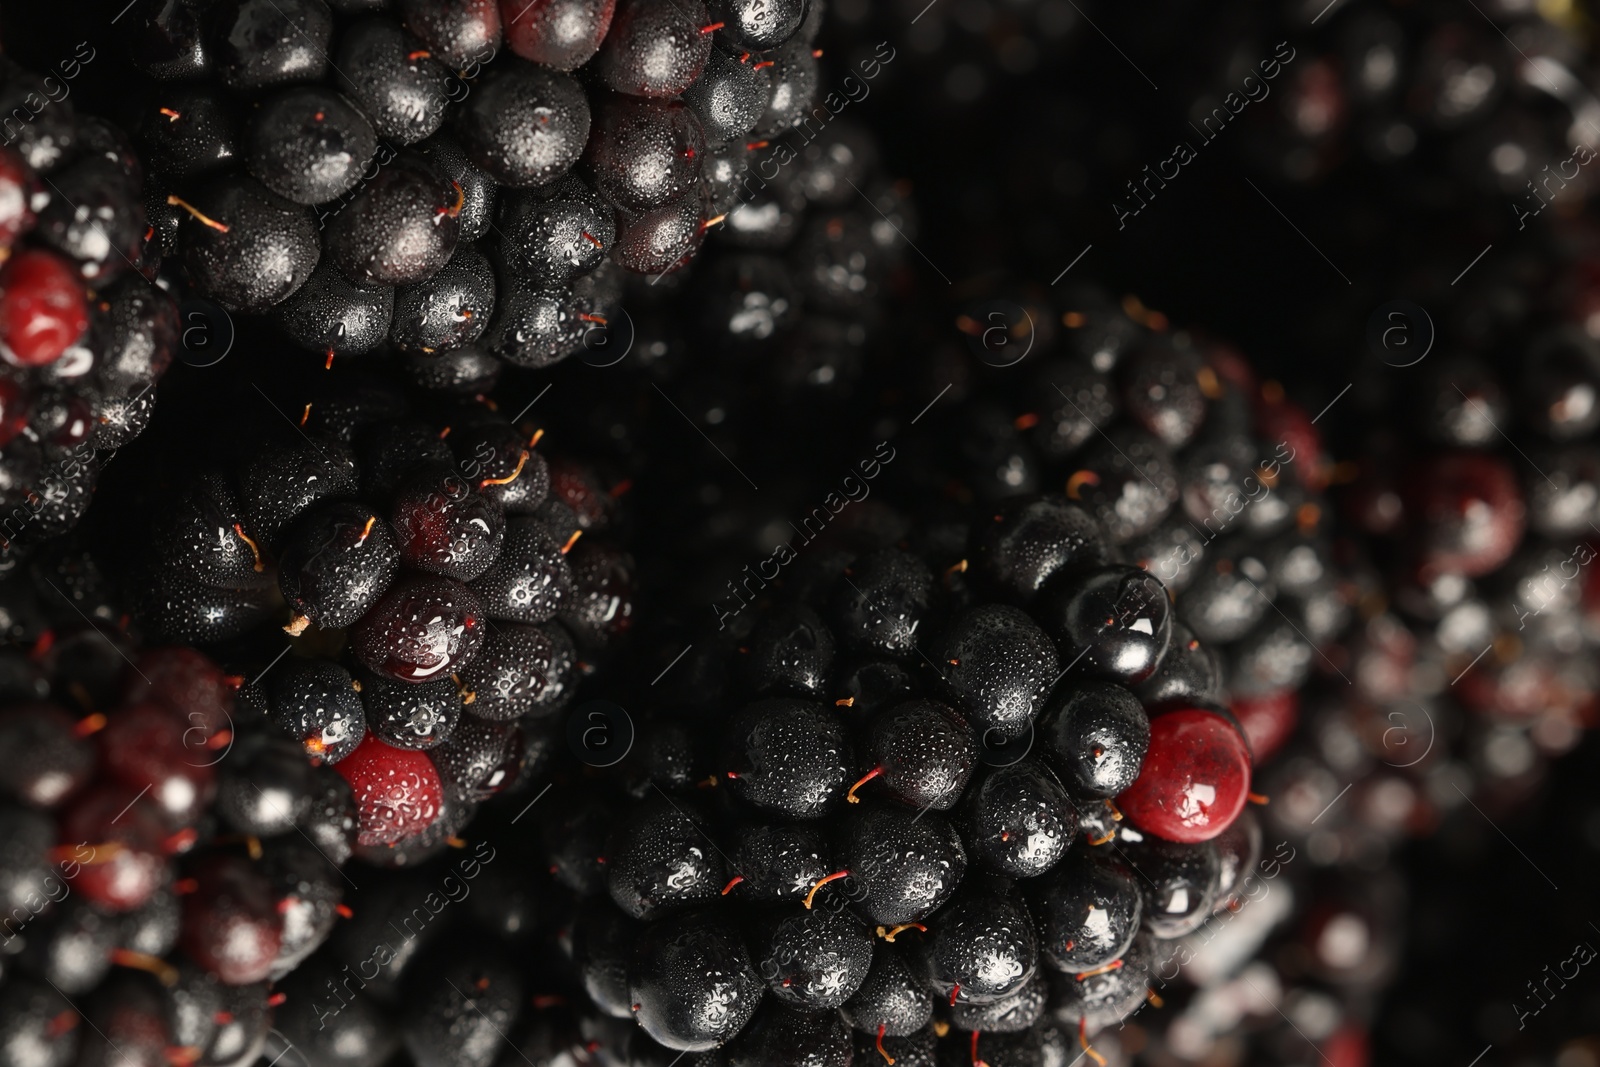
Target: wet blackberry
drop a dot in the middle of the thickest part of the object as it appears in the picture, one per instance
(400, 228)
(84, 337)
(402, 126)
(246, 247)
(361, 553)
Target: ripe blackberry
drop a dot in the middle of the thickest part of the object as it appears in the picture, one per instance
(84, 336)
(434, 636)
(401, 127)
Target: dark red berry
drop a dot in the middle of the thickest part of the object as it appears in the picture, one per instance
(655, 47)
(1195, 779)
(1469, 514)
(231, 922)
(397, 791)
(143, 747)
(43, 308)
(564, 34)
(117, 836)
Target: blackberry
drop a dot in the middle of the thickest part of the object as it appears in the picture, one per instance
(308, 162)
(133, 893)
(431, 630)
(889, 590)
(84, 336)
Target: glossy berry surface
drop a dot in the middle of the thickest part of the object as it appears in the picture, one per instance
(884, 606)
(655, 47)
(411, 716)
(337, 559)
(998, 667)
(247, 246)
(530, 580)
(981, 950)
(658, 860)
(525, 125)
(457, 33)
(1180, 883)
(1030, 540)
(449, 310)
(1118, 620)
(908, 866)
(692, 983)
(444, 527)
(645, 153)
(815, 960)
(923, 753)
(396, 83)
(791, 652)
(422, 629)
(522, 670)
(1096, 735)
(789, 757)
(1195, 779)
(397, 792)
(1022, 820)
(782, 861)
(309, 145)
(401, 228)
(1088, 911)
(892, 995)
(317, 704)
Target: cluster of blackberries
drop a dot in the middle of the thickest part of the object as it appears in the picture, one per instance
(386, 175)
(953, 789)
(1480, 517)
(970, 778)
(437, 576)
(84, 335)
